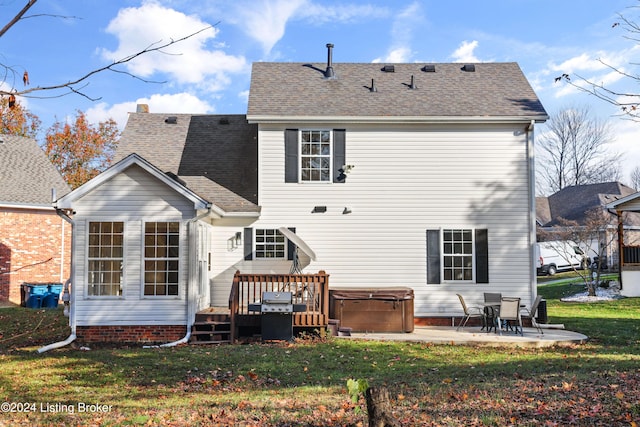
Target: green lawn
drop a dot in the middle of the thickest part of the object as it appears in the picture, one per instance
(304, 383)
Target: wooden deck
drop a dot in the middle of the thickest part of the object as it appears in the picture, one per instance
(312, 290)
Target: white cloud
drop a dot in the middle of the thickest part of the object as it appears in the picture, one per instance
(265, 21)
(173, 103)
(187, 62)
(627, 134)
(465, 52)
(404, 24)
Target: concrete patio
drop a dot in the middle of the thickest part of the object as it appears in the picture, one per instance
(474, 336)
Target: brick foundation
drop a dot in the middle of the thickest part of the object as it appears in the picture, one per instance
(34, 248)
(152, 334)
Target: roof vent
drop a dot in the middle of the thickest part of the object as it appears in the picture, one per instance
(171, 120)
(373, 87)
(413, 83)
(389, 69)
(224, 121)
(429, 68)
(329, 74)
(469, 68)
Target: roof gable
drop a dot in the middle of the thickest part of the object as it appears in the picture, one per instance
(297, 90)
(27, 176)
(66, 202)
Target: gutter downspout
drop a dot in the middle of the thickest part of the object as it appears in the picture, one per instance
(532, 208)
(193, 271)
(67, 297)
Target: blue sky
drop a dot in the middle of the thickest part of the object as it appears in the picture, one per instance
(210, 73)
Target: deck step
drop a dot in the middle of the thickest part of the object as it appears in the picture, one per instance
(211, 328)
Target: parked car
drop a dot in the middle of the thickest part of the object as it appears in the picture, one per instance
(559, 255)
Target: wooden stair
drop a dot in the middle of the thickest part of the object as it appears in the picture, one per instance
(211, 328)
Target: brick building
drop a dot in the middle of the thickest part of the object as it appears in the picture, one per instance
(34, 240)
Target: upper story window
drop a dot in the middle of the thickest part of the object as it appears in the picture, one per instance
(270, 243)
(161, 258)
(105, 258)
(315, 156)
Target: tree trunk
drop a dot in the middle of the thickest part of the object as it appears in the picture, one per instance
(379, 408)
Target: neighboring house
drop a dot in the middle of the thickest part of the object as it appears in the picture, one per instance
(574, 202)
(34, 240)
(413, 175)
(629, 246)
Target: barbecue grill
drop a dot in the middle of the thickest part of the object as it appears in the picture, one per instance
(277, 310)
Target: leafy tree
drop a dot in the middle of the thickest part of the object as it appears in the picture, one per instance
(574, 151)
(17, 120)
(79, 149)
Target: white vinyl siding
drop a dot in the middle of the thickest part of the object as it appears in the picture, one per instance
(132, 197)
(407, 179)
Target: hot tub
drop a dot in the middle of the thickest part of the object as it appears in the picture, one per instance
(387, 309)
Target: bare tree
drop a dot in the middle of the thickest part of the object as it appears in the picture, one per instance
(594, 236)
(635, 178)
(573, 151)
(78, 84)
(628, 102)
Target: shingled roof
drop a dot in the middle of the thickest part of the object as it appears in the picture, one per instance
(573, 202)
(215, 155)
(493, 91)
(26, 175)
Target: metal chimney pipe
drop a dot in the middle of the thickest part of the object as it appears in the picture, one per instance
(373, 87)
(329, 71)
(413, 83)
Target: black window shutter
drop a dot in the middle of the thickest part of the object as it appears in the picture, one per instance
(339, 153)
(291, 155)
(433, 256)
(482, 256)
(248, 244)
(291, 247)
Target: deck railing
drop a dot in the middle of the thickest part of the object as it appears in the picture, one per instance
(309, 289)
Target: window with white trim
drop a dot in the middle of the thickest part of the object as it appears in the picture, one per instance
(270, 243)
(457, 254)
(315, 155)
(105, 258)
(161, 258)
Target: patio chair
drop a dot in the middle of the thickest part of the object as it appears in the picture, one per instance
(531, 313)
(469, 312)
(540, 326)
(492, 297)
(510, 312)
(491, 309)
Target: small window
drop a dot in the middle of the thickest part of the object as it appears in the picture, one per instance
(105, 258)
(457, 253)
(315, 155)
(270, 243)
(161, 258)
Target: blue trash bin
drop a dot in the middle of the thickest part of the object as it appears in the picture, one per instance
(55, 288)
(50, 300)
(35, 294)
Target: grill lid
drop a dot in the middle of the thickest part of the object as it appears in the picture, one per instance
(277, 297)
